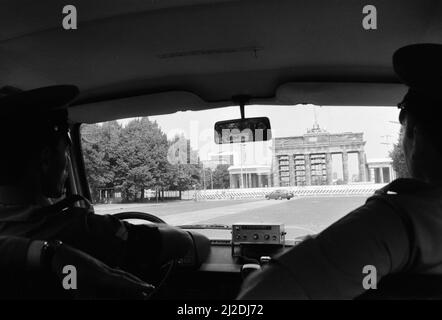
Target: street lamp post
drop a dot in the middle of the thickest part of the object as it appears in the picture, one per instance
(204, 177)
(240, 164)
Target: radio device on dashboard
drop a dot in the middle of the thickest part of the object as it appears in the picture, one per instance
(254, 234)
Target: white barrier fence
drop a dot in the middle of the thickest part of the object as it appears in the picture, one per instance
(301, 191)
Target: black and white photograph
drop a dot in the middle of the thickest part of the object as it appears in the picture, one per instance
(214, 156)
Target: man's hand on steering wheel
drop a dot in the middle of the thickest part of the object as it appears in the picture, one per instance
(176, 242)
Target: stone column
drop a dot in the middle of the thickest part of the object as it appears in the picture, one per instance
(269, 180)
(259, 181)
(392, 173)
(232, 181)
(275, 170)
(345, 166)
(362, 170)
(292, 169)
(308, 173)
(372, 178)
(329, 166)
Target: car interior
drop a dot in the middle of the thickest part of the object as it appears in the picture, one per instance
(138, 58)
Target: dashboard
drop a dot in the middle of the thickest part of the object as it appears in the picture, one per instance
(219, 277)
(215, 268)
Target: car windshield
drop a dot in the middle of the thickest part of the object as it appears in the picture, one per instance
(321, 163)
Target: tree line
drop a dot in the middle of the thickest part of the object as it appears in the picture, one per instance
(398, 157)
(137, 157)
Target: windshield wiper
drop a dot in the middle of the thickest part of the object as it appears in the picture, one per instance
(206, 226)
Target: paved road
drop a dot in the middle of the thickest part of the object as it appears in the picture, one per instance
(165, 208)
(301, 216)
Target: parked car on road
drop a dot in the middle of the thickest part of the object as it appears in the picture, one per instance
(279, 195)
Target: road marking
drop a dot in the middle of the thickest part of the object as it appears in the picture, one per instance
(206, 214)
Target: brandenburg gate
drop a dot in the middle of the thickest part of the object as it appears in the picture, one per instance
(307, 159)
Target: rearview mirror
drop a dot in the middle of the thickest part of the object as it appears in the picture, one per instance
(243, 130)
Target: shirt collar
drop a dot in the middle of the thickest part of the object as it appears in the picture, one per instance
(411, 186)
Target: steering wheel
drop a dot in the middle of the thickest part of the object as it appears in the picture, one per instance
(167, 268)
(139, 215)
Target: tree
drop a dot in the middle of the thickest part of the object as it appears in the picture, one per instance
(206, 178)
(221, 177)
(398, 157)
(98, 145)
(183, 176)
(142, 158)
(185, 171)
(135, 158)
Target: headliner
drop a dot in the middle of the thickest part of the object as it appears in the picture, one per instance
(278, 52)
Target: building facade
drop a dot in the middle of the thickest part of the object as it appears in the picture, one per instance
(180, 152)
(253, 176)
(215, 159)
(307, 159)
(381, 170)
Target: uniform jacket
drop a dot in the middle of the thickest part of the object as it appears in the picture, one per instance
(398, 231)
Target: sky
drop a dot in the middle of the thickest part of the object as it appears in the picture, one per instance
(378, 124)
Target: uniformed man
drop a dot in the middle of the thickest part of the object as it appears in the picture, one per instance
(23, 260)
(398, 231)
(33, 170)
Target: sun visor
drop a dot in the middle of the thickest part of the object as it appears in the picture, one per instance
(341, 93)
(137, 106)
